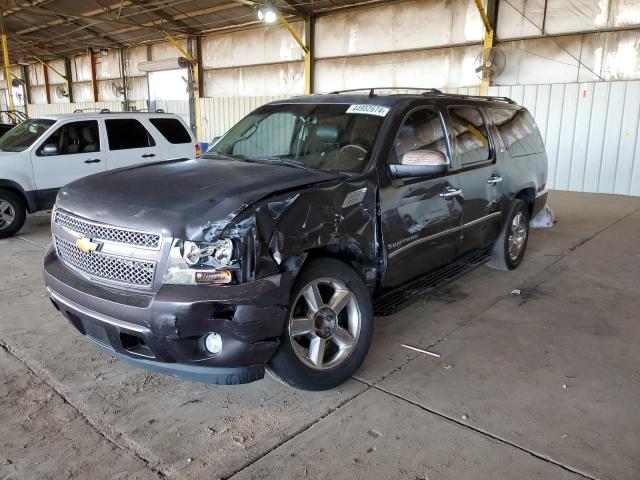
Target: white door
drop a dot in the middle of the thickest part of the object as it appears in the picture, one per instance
(130, 143)
(71, 152)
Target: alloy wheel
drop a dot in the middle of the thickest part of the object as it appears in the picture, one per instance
(517, 235)
(7, 214)
(324, 323)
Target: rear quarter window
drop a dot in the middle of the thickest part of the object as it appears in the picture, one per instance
(518, 131)
(172, 129)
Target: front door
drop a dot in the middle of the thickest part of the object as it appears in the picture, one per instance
(71, 152)
(421, 216)
(474, 155)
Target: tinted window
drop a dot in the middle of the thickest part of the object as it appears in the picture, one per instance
(517, 130)
(172, 129)
(470, 132)
(124, 133)
(422, 130)
(76, 137)
(22, 136)
(327, 137)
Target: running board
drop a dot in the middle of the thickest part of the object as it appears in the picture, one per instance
(398, 298)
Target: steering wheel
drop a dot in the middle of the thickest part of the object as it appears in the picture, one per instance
(355, 152)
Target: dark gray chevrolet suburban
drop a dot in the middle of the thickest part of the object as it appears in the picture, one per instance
(275, 249)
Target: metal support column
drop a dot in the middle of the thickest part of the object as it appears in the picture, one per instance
(489, 24)
(123, 75)
(308, 55)
(69, 77)
(5, 57)
(94, 78)
(27, 87)
(194, 90)
(47, 89)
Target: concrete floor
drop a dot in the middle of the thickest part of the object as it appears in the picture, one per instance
(541, 385)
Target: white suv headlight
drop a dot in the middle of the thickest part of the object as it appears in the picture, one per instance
(201, 263)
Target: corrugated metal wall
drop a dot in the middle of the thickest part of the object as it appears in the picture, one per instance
(221, 113)
(591, 133)
(591, 130)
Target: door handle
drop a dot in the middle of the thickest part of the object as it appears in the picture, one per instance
(93, 160)
(450, 192)
(148, 155)
(493, 179)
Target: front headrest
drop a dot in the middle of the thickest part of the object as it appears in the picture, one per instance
(327, 132)
(86, 135)
(72, 132)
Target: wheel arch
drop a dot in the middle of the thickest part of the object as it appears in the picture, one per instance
(348, 253)
(16, 189)
(528, 196)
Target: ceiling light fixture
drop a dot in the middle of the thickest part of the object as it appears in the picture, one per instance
(267, 13)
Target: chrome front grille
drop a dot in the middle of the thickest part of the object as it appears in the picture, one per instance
(105, 267)
(98, 231)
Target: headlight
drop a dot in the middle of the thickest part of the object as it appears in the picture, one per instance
(201, 263)
(217, 254)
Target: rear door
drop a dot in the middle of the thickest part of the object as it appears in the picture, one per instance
(180, 142)
(72, 151)
(421, 216)
(474, 156)
(130, 143)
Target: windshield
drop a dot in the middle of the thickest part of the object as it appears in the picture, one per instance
(22, 136)
(322, 136)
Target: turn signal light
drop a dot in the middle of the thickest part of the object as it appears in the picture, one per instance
(198, 150)
(216, 277)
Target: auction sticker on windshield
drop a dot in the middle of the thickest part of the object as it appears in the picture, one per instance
(378, 110)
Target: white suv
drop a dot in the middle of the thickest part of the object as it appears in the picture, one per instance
(43, 154)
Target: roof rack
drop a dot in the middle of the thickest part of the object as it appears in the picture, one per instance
(474, 97)
(372, 90)
(100, 110)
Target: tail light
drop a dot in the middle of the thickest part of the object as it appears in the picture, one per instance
(198, 150)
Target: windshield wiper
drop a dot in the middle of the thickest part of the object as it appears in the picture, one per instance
(220, 155)
(287, 162)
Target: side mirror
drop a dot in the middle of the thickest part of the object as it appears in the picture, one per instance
(419, 163)
(50, 149)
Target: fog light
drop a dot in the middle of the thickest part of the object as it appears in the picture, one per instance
(213, 343)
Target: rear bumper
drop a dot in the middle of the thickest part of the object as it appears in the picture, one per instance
(539, 203)
(164, 332)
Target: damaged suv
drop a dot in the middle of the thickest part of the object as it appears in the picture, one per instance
(275, 248)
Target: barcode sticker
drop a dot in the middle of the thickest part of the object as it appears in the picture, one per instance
(364, 109)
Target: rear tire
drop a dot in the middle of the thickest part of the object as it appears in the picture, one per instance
(509, 248)
(12, 213)
(328, 330)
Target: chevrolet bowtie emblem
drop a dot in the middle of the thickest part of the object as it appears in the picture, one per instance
(86, 245)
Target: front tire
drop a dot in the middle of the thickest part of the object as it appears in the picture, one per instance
(511, 244)
(12, 213)
(329, 327)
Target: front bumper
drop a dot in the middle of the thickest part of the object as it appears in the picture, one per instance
(164, 331)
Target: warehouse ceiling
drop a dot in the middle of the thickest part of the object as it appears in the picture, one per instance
(56, 28)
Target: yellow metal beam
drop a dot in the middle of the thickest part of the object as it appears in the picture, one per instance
(486, 45)
(307, 54)
(196, 88)
(5, 58)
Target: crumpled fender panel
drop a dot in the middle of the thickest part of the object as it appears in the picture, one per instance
(338, 216)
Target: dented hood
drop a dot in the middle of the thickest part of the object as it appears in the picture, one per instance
(180, 198)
